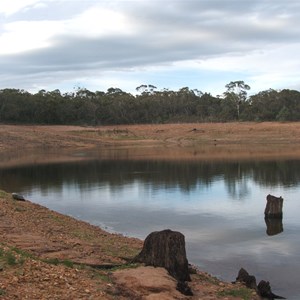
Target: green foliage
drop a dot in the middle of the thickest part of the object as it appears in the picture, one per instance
(13, 256)
(283, 115)
(2, 292)
(22, 252)
(125, 266)
(68, 263)
(3, 194)
(56, 261)
(10, 258)
(52, 261)
(236, 94)
(274, 105)
(242, 293)
(115, 106)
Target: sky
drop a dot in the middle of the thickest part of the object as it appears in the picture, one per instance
(200, 44)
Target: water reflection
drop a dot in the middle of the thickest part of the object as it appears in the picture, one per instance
(274, 226)
(218, 206)
(159, 174)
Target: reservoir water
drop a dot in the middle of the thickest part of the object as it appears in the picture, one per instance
(218, 206)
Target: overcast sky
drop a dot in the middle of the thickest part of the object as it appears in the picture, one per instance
(203, 44)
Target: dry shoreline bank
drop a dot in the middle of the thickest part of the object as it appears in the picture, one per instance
(30, 228)
(197, 141)
(47, 255)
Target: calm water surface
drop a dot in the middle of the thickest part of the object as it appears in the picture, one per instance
(218, 206)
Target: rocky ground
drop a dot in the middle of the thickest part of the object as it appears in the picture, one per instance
(46, 255)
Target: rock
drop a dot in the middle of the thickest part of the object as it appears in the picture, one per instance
(18, 197)
(145, 283)
(166, 249)
(264, 290)
(245, 278)
(274, 207)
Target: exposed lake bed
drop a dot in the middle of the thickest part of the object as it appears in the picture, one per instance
(216, 199)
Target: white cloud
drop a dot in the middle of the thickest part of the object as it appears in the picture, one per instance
(9, 7)
(21, 36)
(42, 41)
(276, 66)
(25, 36)
(98, 21)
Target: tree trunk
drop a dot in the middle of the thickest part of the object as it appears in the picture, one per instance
(166, 249)
(274, 207)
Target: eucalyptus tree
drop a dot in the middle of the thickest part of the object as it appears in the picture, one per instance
(15, 106)
(237, 93)
(271, 105)
(146, 89)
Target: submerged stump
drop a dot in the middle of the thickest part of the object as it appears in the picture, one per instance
(274, 207)
(166, 249)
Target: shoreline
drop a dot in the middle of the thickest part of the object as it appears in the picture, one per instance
(50, 246)
(47, 235)
(196, 141)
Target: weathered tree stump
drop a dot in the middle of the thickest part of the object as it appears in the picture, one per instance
(166, 249)
(274, 207)
(184, 288)
(248, 280)
(264, 290)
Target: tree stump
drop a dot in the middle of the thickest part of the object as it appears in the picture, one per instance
(264, 290)
(274, 207)
(166, 249)
(245, 278)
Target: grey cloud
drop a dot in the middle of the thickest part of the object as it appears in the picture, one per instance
(165, 32)
(222, 16)
(107, 53)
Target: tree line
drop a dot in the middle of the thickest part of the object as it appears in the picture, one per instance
(84, 107)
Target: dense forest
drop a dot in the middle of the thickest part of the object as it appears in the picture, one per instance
(84, 107)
